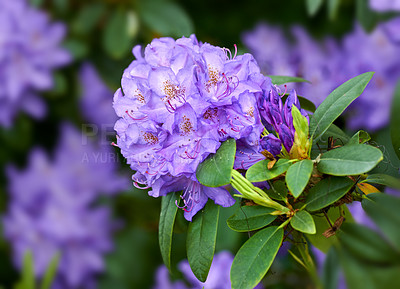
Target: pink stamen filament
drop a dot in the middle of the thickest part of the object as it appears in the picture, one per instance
(136, 119)
(190, 197)
(139, 187)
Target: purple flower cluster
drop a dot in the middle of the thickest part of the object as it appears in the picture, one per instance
(51, 209)
(329, 63)
(29, 52)
(96, 98)
(385, 5)
(218, 278)
(177, 104)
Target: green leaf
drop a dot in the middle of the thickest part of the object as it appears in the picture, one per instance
(303, 222)
(50, 274)
(28, 277)
(349, 160)
(36, 3)
(279, 79)
(359, 138)
(166, 226)
(336, 133)
(255, 257)
(367, 18)
(384, 211)
(304, 102)
(278, 190)
(259, 172)
(200, 242)
(77, 48)
(367, 245)
(336, 102)
(313, 6)
(356, 275)
(87, 17)
(166, 18)
(298, 175)
(250, 218)
(116, 39)
(327, 192)
(395, 121)
(330, 270)
(333, 7)
(216, 170)
(383, 179)
(318, 239)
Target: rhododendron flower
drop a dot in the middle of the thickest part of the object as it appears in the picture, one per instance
(177, 104)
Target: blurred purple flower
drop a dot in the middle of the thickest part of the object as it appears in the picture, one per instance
(329, 63)
(177, 104)
(385, 5)
(96, 98)
(218, 277)
(29, 52)
(271, 49)
(372, 109)
(51, 209)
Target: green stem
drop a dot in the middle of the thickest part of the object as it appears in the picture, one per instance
(301, 245)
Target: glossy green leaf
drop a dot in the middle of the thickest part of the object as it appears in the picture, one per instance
(298, 175)
(359, 138)
(384, 211)
(313, 6)
(367, 245)
(259, 172)
(279, 79)
(116, 39)
(216, 170)
(50, 274)
(201, 238)
(250, 218)
(278, 190)
(303, 222)
(28, 277)
(166, 18)
(336, 102)
(255, 257)
(349, 160)
(168, 212)
(395, 121)
(327, 192)
(383, 179)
